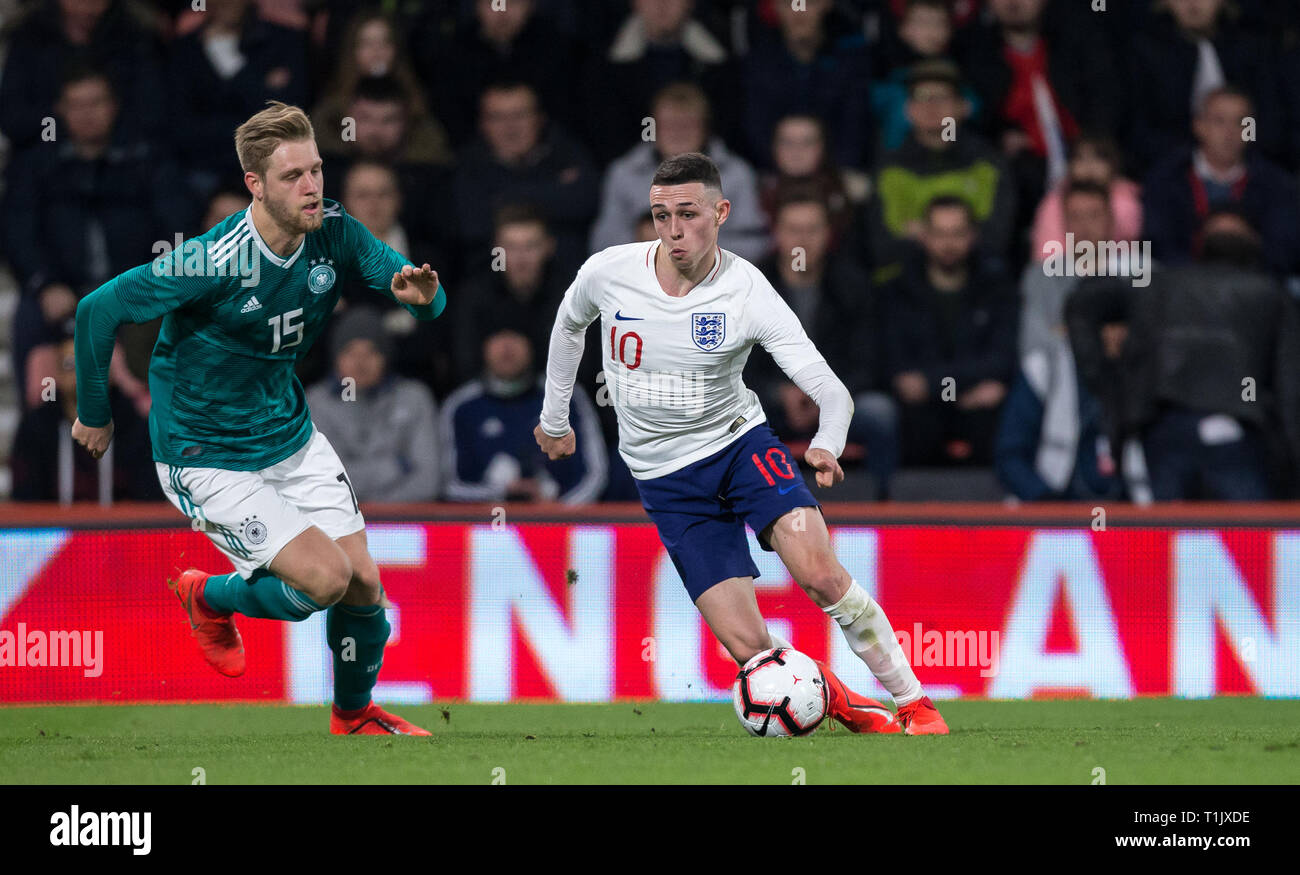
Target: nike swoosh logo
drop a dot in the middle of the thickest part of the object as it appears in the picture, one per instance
(619, 316)
(782, 490)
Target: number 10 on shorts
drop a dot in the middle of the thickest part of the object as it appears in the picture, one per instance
(776, 460)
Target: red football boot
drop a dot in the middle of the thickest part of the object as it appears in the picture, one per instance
(218, 638)
(858, 713)
(922, 718)
(371, 720)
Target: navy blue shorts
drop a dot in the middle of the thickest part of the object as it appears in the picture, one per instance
(701, 510)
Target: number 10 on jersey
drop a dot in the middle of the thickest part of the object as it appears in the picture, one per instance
(618, 347)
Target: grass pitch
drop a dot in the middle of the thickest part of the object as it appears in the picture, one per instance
(1145, 741)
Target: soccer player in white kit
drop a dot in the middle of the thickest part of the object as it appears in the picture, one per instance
(678, 318)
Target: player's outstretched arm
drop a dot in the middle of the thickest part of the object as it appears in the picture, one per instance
(568, 339)
(138, 295)
(98, 316)
(387, 271)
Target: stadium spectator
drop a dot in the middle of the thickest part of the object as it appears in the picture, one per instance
(422, 349)
(801, 160)
(521, 291)
(1089, 217)
(370, 48)
(522, 157)
(1094, 160)
(832, 298)
(950, 343)
(221, 203)
(681, 124)
(47, 466)
(372, 193)
(487, 429)
(801, 67)
(1193, 47)
(1045, 72)
(939, 157)
(388, 126)
(505, 42)
(1219, 173)
(645, 228)
(964, 12)
(221, 74)
(657, 45)
(1209, 378)
(924, 32)
(383, 427)
(55, 35)
(1049, 442)
(84, 208)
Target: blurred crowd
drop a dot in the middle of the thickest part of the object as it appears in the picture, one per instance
(1055, 239)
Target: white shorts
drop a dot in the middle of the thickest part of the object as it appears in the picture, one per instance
(251, 515)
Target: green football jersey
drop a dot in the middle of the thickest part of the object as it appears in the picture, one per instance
(236, 319)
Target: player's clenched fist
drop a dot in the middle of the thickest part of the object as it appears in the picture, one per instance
(555, 447)
(829, 471)
(415, 285)
(93, 439)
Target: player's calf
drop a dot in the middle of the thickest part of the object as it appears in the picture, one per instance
(801, 539)
(806, 552)
(731, 610)
(357, 630)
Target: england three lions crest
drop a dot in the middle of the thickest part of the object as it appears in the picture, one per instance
(708, 330)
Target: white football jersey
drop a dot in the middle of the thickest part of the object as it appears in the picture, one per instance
(672, 366)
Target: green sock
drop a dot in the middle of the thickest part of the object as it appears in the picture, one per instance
(264, 596)
(357, 635)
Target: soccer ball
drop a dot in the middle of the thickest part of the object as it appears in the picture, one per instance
(780, 692)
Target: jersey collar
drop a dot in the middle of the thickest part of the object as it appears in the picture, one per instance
(266, 250)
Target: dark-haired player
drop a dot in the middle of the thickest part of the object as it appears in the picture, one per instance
(678, 317)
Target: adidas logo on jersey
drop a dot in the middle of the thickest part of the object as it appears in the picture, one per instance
(251, 305)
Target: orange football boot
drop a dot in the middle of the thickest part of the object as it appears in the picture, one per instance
(218, 638)
(922, 718)
(858, 713)
(371, 720)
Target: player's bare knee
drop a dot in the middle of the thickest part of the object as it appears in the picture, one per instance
(826, 585)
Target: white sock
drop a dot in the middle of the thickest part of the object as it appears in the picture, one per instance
(870, 636)
(777, 640)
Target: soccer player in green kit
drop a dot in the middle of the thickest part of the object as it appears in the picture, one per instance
(233, 440)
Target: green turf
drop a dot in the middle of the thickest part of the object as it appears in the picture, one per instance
(1231, 740)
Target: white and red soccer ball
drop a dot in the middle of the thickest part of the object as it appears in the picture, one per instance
(780, 692)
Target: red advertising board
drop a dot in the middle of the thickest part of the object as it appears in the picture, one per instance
(490, 613)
